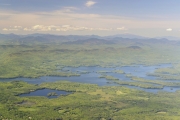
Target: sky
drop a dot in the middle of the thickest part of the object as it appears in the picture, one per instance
(150, 18)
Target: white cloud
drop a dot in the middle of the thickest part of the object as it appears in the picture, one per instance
(16, 27)
(10, 29)
(90, 3)
(61, 28)
(5, 29)
(26, 29)
(37, 27)
(40, 28)
(76, 19)
(121, 28)
(169, 29)
(13, 28)
(69, 9)
(80, 23)
(104, 29)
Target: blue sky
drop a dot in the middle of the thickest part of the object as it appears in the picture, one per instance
(85, 17)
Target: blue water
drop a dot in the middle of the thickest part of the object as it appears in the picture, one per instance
(165, 89)
(94, 72)
(92, 78)
(136, 70)
(44, 92)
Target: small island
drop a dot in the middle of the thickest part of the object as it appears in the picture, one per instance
(52, 94)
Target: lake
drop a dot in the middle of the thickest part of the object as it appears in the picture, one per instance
(91, 74)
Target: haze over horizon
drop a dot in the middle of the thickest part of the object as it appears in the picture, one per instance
(82, 17)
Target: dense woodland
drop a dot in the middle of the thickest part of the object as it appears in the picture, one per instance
(45, 55)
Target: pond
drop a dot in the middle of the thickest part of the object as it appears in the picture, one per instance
(46, 93)
(92, 74)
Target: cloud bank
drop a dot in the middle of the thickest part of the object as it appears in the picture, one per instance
(68, 20)
(56, 28)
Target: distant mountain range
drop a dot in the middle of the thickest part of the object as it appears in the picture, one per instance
(130, 36)
(91, 41)
(76, 37)
(169, 38)
(85, 39)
